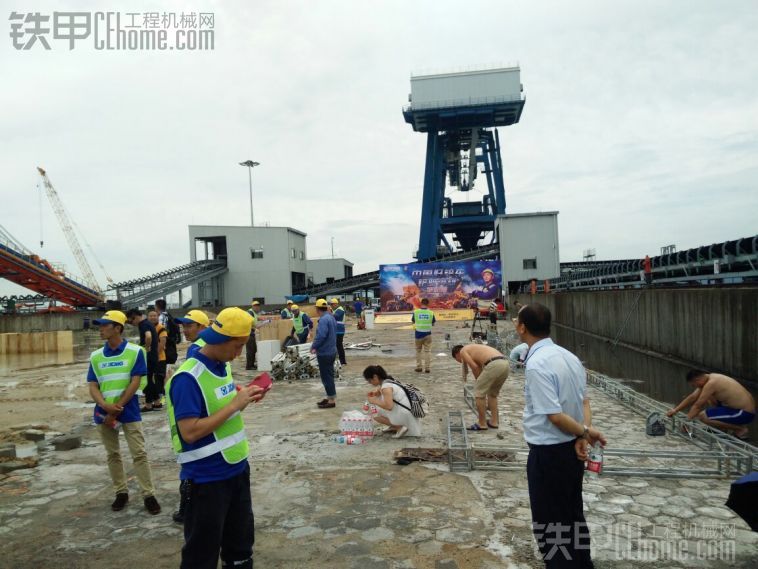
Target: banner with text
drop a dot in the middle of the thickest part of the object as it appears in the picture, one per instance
(447, 285)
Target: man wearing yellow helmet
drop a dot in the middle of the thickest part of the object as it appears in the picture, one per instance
(114, 375)
(286, 312)
(301, 325)
(208, 434)
(325, 347)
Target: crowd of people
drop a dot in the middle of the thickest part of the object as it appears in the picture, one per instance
(207, 429)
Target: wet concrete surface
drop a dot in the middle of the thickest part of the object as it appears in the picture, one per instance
(320, 504)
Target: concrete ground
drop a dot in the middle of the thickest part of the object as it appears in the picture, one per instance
(320, 504)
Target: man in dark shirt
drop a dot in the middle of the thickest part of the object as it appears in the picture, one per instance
(148, 339)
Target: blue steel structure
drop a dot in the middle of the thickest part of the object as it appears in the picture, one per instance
(454, 132)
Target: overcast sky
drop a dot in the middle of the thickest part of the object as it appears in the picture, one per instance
(640, 125)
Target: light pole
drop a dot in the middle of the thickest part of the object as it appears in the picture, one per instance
(250, 165)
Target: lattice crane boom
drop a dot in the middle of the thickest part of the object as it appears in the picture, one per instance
(68, 231)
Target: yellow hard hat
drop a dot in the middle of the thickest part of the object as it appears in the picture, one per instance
(111, 317)
(230, 323)
(321, 303)
(334, 301)
(196, 317)
(256, 303)
(295, 307)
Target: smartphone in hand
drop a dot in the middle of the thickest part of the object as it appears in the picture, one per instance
(263, 381)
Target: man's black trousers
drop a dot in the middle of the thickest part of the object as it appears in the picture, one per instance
(219, 519)
(555, 495)
(341, 348)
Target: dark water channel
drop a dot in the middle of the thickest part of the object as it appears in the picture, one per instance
(656, 377)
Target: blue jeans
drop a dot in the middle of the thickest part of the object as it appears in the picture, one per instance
(326, 369)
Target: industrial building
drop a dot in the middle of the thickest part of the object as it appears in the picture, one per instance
(528, 246)
(262, 263)
(328, 270)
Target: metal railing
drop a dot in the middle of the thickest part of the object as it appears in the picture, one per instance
(138, 291)
(462, 102)
(718, 454)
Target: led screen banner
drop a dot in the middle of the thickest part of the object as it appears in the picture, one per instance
(448, 285)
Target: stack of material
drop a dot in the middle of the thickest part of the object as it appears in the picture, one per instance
(297, 362)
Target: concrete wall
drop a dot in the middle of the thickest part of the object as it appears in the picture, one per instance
(36, 342)
(45, 322)
(713, 328)
(270, 277)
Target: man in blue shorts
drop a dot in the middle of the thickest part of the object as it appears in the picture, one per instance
(719, 401)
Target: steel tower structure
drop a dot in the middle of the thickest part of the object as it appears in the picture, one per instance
(459, 112)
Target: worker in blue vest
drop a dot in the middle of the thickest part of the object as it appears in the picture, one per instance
(286, 312)
(114, 375)
(208, 435)
(423, 319)
(301, 325)
(339, 315)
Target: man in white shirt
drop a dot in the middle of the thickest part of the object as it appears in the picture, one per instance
(557, 428)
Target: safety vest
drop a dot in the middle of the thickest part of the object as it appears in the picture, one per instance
(198, 344)
(339, 316)
(297, 322)
(423, 318)
(114, 373)
(251, 312)
(286, 313)
(229, 437)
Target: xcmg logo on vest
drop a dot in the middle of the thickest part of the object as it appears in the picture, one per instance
(224, 390)
(105, 365)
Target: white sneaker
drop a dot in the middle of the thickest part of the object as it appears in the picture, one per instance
(401, 431)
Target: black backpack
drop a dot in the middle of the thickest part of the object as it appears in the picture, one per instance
(419, 405)
(173, 337)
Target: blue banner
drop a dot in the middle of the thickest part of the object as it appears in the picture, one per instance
(448, 285)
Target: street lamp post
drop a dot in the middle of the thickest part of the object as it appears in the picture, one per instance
(250, 165)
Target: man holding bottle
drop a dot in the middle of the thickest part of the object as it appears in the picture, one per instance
(558, 429)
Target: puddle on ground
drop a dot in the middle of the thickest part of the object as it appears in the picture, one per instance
(74, 404)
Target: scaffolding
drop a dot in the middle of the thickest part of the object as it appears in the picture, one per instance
(718, 454)
(459, 455)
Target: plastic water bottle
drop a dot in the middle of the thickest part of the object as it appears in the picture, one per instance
(115, 424)
(595, 461)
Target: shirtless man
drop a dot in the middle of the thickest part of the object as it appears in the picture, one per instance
(729, 405)
(490, 369)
